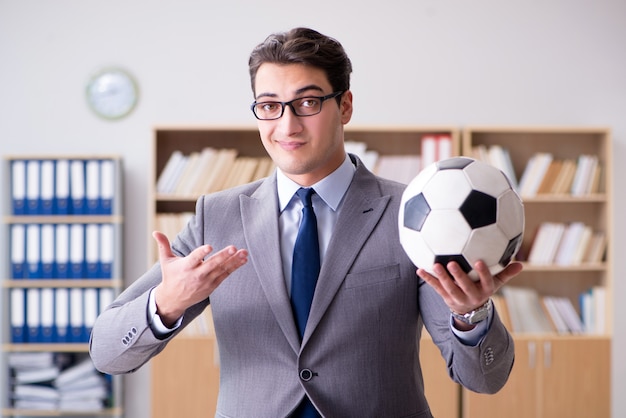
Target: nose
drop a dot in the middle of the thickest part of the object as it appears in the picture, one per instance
(289, 123)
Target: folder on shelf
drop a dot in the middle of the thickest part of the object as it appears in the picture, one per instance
(77, 251)
(47, 315)
(62, 187)
(92, 186)
(47, 188)
(47, 251)
(18, 251)
(444, 147)
(77, 324)
(107, 250)
(428, 150)
(32, 187)
(90, 305)
(92, 251)
(77, 187)
(18, 315)
(18, 187)
(33, 251)
(62, 251)
(33, 315)
(61, 315)
(106, 296)
(107, 186)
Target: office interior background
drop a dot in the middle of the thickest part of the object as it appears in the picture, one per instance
(427, 62)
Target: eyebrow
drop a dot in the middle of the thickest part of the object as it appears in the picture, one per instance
(300, 91)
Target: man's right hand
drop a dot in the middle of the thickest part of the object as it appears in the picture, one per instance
(191, 279)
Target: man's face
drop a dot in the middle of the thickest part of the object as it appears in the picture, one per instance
(306, 148)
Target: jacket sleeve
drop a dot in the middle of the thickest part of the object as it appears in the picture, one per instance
(483, 368)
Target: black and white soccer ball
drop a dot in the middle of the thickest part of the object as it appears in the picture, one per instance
(464, 210)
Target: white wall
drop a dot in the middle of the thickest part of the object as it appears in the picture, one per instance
(456, 62)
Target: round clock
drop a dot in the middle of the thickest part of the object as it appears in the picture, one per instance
(112, 93)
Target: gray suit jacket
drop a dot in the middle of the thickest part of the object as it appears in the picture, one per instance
(359, 354)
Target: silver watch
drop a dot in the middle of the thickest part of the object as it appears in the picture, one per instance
(475, 316)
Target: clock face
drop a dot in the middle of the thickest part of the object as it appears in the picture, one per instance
(112, 93)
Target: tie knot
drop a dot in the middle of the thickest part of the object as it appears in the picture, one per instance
(305, 196)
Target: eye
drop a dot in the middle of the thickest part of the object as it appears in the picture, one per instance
(268, 106)
(309, 102)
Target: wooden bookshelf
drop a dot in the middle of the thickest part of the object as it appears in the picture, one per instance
(556, 374)
(386, 141)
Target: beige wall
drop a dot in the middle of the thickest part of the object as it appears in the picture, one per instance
(455, 62)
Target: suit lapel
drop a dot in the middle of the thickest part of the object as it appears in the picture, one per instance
(361, 210)
(259, 213)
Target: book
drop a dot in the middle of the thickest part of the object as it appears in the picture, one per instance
(527, 312)
(165, 178)
(534, 173)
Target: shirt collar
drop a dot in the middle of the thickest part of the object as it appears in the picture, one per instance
(331, 188)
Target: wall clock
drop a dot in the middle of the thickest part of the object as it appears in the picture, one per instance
(112, 93)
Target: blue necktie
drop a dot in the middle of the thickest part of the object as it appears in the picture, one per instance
(306, 262)
(304, 272)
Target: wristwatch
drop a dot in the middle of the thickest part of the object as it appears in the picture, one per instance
(475, 316)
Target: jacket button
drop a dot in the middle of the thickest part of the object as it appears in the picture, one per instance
(306, 374)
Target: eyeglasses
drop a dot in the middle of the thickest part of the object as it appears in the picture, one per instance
(302, 106)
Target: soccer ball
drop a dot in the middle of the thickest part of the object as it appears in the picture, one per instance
(464, 210)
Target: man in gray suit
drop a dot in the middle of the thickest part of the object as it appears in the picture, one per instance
(357, 354)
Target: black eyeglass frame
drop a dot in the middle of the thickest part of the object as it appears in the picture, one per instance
(322, 99)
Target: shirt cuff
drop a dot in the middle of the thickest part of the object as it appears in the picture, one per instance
(157, 326)
(474, 335)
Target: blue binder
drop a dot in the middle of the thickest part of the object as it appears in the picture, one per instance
(92, 187)
(61, 331)
(46, 190)
(77, 187)
(62, 251)
(18, 187)
(18, 315)
(18, 251)
(33, 315)
(77, 251)
(62, 187)
(33, 251)
(77, 322)
(33, 181)
(92, 251)
(107, 186)
(47, 251)
(47, 315)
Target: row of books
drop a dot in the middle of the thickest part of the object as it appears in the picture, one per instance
(209, 170)
(55, 315)
(403, 168)
(63, 186)
(545, 174)
(56, 251)
(524, 310)
(57, 381)
(567, 244)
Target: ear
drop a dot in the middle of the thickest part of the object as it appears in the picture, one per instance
(346, 107)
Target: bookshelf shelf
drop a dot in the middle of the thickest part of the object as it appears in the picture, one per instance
(82, 283)
(111, 412)
(547, 359)
(61, 348)
(63, 227)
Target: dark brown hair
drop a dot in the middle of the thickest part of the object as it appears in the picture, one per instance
(304, 46)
